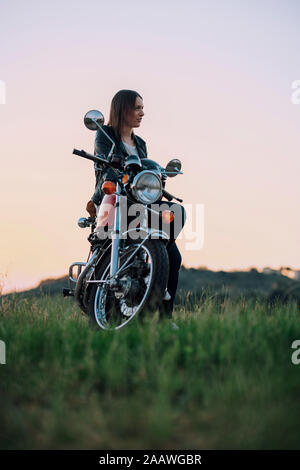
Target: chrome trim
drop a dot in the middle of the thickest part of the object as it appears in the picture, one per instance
(80, 280)
(79, 265)
(97, 282)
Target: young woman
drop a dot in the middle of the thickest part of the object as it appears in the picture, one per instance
(126, 113)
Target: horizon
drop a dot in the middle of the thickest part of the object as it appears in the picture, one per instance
(288, 272)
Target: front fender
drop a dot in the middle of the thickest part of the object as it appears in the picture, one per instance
(146, 233)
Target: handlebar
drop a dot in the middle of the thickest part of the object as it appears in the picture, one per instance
(167, 195)
(94, 158)
(97, 158)
(170, 196)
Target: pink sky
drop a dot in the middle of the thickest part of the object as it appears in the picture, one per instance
(216, 81)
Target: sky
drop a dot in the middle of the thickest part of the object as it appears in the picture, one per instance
(216, 79)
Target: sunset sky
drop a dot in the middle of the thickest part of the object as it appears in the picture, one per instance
(216, 78)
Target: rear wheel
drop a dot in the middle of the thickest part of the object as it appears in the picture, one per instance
(139, 290)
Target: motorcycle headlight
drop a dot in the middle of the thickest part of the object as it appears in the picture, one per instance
(146, 187)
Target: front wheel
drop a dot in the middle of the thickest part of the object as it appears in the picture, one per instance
(140, 285)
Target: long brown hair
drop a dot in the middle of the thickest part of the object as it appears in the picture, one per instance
(122, 102)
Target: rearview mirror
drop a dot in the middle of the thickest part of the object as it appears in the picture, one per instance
(93, 120)
(173, 168)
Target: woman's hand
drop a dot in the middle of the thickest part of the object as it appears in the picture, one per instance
(91, 208)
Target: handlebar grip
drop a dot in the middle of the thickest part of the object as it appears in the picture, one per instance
(82, 153)
(170, 196)
(167, 195)
(77, 152)
(94, 158)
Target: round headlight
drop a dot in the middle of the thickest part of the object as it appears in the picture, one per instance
(146, 187)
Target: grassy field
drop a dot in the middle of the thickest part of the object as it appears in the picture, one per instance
(223, 380)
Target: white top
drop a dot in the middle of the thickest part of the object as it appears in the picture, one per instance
(131, 149)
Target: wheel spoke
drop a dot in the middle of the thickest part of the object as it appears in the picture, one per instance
(112, 312)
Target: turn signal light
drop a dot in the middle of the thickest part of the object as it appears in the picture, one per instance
(167, 217)
(109, 187)
(125, 179)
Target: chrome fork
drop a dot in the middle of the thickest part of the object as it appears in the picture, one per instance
(116, 236)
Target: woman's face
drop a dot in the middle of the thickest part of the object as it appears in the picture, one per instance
(134, 116)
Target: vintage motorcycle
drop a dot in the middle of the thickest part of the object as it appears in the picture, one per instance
(127, 270)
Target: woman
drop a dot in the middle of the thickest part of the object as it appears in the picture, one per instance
(126, 113)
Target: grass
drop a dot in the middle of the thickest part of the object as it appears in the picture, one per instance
(223, 380)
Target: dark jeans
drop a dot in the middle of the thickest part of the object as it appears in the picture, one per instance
(174, 260)
(174, 266)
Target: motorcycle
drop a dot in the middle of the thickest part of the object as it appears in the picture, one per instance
(127, 270)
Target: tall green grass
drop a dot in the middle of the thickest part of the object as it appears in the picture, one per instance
(224, 379)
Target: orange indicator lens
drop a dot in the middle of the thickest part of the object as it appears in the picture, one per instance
(167, 217)
(109, 187)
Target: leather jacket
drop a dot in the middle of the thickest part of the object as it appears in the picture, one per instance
(102, 147)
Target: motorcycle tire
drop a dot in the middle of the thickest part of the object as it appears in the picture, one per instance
(155, 250)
